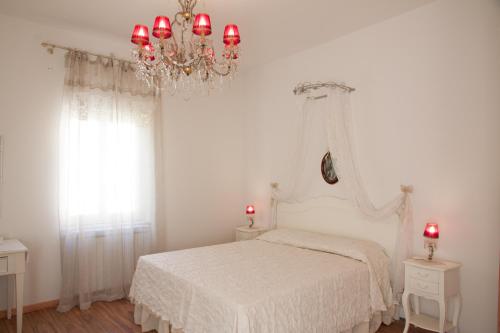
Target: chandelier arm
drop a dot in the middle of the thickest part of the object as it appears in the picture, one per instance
(161, 43)
(176, 46)
(183, 5)
(176, 21)
(207, 74)
(165, 59)
(180, 64)
(193, 5)
(183, 31)
(220, 73)
(172, 62)
(195, 62)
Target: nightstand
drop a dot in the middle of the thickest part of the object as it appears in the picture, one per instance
(246, 233)
(435, 280)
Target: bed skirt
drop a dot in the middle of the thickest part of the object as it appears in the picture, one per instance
(149, 321)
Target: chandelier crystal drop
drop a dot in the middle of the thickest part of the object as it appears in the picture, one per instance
(182, 58)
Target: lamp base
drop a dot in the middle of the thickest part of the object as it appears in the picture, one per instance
(427, 261)
(250, 219)
(431, 247)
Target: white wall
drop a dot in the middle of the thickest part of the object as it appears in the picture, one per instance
(426, 112)
(204, 168)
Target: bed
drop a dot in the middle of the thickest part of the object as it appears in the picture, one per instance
(308, 275)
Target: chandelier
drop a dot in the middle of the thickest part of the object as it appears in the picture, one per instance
(182, 58)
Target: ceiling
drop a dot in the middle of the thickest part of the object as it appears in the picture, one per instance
(269, 28)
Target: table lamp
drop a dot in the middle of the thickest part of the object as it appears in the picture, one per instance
(250, 211)
(431, 234)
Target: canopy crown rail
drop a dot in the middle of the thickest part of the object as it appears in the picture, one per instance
(305, 87)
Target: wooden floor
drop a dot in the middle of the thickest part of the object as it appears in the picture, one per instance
(398, 326)
(115, 317)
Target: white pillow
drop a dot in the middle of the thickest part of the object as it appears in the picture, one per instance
(317, 241)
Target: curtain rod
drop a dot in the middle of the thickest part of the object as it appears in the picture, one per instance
(302, 88)
(50, 49)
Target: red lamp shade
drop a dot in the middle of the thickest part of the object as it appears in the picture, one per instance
(150, 51)
(162, 28)
(431, 230)
(201, 25)
(140, 35)
(231, 34)
(250, 210)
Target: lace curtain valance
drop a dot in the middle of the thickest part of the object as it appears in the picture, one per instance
(86, 71)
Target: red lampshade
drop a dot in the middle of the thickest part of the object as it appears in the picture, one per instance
(201, 25)
(250, 210)
(140, 35)
(150, 51)
(162, 28)
(431, 230)
(231, 34)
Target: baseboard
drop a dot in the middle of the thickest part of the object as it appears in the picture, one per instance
(32, 307)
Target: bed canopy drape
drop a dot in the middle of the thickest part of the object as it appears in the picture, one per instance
(335, 116)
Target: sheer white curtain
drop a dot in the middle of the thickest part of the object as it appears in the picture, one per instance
(108, 171)
(334, 115)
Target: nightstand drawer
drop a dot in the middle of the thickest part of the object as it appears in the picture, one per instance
(4, 264)
(425, 275)
(425, 287)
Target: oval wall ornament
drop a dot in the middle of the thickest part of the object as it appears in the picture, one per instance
(327, 169)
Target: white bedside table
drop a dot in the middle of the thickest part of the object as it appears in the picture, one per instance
(436, 280)
(246, 233)
(13, 256)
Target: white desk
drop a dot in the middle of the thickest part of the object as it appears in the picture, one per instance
(13, 255)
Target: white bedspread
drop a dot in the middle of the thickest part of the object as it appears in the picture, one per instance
(254, 286)
(371, 253)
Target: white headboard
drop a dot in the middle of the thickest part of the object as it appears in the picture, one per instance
(334, 216)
